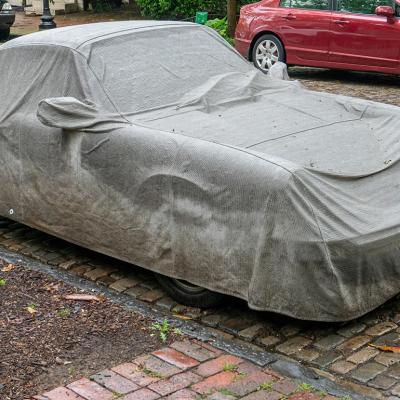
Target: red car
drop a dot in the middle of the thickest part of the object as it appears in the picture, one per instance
(345, 34)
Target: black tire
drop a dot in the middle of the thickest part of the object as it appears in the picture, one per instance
(4, 34)
(187, 294)
(279, 54)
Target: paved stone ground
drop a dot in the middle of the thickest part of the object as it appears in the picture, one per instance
(370, 86)
(184, 371)
(340, 352)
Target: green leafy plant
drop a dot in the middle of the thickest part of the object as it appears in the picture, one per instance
(3, 282)
(163, 329)
(221, 26)
(64, 312)
(305, 387)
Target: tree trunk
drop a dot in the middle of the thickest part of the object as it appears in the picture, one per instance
(232, 7)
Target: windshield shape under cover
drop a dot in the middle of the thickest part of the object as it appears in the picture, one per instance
(155, 68)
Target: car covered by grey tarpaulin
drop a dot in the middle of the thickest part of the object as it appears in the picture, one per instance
(157, 144)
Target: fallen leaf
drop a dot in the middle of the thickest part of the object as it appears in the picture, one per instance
(82, 297)
(390, 349)
(31, 310)
(8, 268)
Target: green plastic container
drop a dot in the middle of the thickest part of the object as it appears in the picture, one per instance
(201, 17)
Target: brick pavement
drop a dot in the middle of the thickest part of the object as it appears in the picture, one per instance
(186, 370)
(339, 352)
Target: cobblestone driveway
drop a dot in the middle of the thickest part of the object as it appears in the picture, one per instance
(340, 352)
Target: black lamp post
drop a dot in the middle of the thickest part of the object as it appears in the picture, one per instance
(46, 22)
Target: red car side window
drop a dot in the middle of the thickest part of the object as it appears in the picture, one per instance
(306, 4)
(362, 6)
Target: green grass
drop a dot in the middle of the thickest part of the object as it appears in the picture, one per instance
(229, 367)
(268, 386)
(152, 374)
(227, 392)
(306, 387)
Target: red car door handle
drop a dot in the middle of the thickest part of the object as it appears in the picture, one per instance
(289, 16)
(340, 21)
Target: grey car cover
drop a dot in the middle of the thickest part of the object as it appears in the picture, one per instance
(156, 143)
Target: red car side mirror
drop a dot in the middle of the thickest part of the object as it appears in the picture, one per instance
(385, 11)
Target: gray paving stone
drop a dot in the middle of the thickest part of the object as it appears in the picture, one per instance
(124, 283)
(67, 264)
(390, 339)
(290, 330)
(106, 281)
(307, 355)
(166, 303)
(151, 296)
(342, 367)
(351, 329)
(326, 359)
(382, 382)
(381, 328)
(396, 390)
(363, 355)
(293, 345)
(212, 319)
(387, 358)
(268, 341)
(136, 291)
(80, 270)
(366, 372)
(329, 342)
(99, 272)
(394, 371)
(354, 343)
(251, 332)
(236, 324)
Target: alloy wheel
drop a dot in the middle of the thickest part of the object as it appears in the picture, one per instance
(267, 54)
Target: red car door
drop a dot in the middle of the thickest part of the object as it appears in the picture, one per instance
(304, 26)
(362, 38)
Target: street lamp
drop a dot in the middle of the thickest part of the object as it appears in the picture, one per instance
(46, 21)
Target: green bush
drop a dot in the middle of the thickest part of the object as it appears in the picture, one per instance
(155, 8)
(221, 26)
(184, 9)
